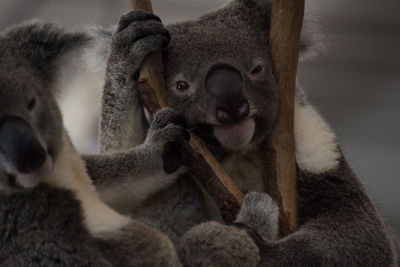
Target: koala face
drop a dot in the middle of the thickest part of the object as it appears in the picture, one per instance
(219, 75)
(30, 126)
(219, 72)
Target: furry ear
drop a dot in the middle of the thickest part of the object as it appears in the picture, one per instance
(259, 5)
(258, 12)
(311, 40)
(41, 43)
(97, 54)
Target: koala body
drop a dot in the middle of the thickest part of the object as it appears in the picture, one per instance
(62, 222)
(219, 77)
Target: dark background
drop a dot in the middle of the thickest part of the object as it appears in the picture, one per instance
(355, 84)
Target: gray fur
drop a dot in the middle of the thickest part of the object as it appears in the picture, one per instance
(214, 244)
(33, 234)
(136, 171)
(41, 225)
(123, 73)
(339, 225)
(259, 212)
(138, 245)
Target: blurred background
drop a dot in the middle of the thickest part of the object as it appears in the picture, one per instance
(355, 85)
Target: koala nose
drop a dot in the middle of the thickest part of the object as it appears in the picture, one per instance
(225, 84)
(243, 111)
(235, 115)
(19, 145)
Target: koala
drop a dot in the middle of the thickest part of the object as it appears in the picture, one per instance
(150, 202)
(218, 74)
(51, 212)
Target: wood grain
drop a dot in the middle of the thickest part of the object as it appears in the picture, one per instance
(280, 177)
(195, 154)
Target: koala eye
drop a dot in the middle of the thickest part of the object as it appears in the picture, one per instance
(32, 103)
(182, 86)
(257, 70)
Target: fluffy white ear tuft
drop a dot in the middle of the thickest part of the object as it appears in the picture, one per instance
(312, 40)
(316, 147)
(97, 54)
(82, 80)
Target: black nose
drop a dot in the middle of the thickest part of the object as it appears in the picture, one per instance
(20, 146)
(233, 115)
(225, 84)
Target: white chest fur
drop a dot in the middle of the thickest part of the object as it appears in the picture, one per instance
(69, 173)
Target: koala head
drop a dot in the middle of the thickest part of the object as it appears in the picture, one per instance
(219, 73)
(30, 121)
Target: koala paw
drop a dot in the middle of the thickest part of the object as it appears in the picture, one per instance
(166, 128)
(214, 244)
(260, 213)
(138, 245)
(138, 34)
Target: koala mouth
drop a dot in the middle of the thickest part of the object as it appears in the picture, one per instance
(32, 179)
(235, 136)
(26, 158)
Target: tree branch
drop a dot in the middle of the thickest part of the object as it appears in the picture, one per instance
(280, 178)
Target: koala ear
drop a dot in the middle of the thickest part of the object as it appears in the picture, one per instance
(41, 43)
(260, 5)
(97, 54)
(312, 40)
(258, 12)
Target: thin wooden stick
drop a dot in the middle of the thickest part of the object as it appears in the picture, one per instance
(195, 154)
(286, 23)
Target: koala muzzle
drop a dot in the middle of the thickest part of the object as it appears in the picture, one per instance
(225, 84)
(20, 146)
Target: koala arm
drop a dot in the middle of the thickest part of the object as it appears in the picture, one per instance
(339, 226)
(126, 178)
(123, 124)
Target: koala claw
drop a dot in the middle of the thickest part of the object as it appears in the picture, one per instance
(136, 25)
(167, 126)
(135, 15)
(165, 129)
(166, 116)
(138, 34)
(260, 213)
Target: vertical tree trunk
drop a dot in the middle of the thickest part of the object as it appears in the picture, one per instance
(280, 177)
